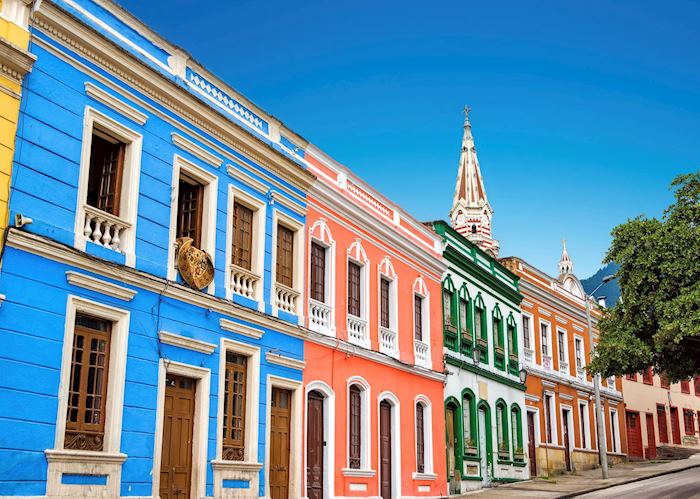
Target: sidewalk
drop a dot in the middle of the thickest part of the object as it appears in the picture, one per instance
(572, 485)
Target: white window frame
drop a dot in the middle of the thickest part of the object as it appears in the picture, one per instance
(386, 271)
(328, 433)
(357, 255)
(109, 460)
(257, 256)
(528, 318)
(395, 440)
(561, 330)
(320, 234)
(572, 434)
(429, 470)
(365, 430)
(552, 418)
(209, 182)
(536, 415)
(420, 289)
(548, 324)
(616, 433)
(131, 176)
(280, 218)
(249, 468)
(579, 338)
(584, 409)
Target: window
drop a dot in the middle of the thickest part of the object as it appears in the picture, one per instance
(478, 320)
(235, 380)
(465, 333)
(516, 426)
(663, 423)
(583, 417)
(87, 389)
(544, 330)
(469, 423)
(242, 250)
(418, 317)
(355, 427)
(106, 171)
(285, 256)
(561, 339)
(420, 438)
(631, 377)
(384, 300)
(354, 287)
(648, 377)
(614, 436)
(696, 383)
(498, 330)
(578, 352)
(502, 430)
(526, 332)
(447, 304)
(675, 426)
(664, 382)
(189, 210)
(688, 422)
(685, 386)
(512, 339)
(318, 272)
(548, 417)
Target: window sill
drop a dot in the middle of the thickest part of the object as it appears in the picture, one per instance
(351, 472)
(83, 456)
(424, 476)
(219, 464)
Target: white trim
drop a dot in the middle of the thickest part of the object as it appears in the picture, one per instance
(131, 174)
(298, 274)
(114, 103)
(200, 425)
(209, 182)
(552, 417)
(550, 349)
(365, 429)
(325, 239)
(177, 340)
(531, 339)
(566, 351)
(283, 360)
(386, 271)
(536, 415)
(195, 150)
(572, 437)
(100, 286)
(395, 441)
(357, 255)
(242, 329)
(421, 290)
(427, 437)
(584, 436)
(614, 426)
(328, 435)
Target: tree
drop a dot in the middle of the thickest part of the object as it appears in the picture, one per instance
(657, 320)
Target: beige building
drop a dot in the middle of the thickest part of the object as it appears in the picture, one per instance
(660, 419)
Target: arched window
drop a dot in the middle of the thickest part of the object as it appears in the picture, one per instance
(420, 437)
(516, 426)
(480, 330)
(512, 330)
(474, 229)
(502, 423)
(469, 423)
(498, 338)
(449, 313)
(465, 322)
(358, 424)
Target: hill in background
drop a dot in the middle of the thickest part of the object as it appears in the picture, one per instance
(610, 290)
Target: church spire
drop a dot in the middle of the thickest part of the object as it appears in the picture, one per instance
(471, 212)
(566, 266)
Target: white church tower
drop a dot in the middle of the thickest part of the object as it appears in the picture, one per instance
(471, 212)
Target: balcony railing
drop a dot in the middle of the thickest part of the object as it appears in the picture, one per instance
(243, 282)
(286, 298)
(319, 315)
(421, 353)
(104, 229)
(358, 331)
(546, 361)
(388, 342)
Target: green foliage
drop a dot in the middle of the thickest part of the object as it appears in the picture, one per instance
(657, 320)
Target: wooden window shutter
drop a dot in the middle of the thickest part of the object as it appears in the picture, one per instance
(235, 390)
(87, 389)
(420, 439)
(663, 424)
(318, 272)
(242, 236)
(355, 427)
(418, 317)
(106, 172)
(385, 303)
(189, 210)
(285, 256)
(354, 304)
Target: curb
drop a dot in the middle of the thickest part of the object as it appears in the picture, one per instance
(627, 481)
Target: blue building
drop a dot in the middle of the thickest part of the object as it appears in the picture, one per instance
(120, 379)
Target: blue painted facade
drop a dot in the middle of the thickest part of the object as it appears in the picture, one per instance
(46, 188)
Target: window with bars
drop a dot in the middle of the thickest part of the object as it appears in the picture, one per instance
(418, 317)
(318, 272)
(190, 200)
(384, 301)
(688, 422)
(285, 256)
(544, 330)
(663, 423)
(106, 171)
(354, 289)
(235, 387)
(242, 250)
(526, 332)
(355, 427)
(420, 438)
(87, 389)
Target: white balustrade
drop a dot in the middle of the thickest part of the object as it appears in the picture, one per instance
(421, 353)
(357, 331)
(243, 282)
(104, 228)
(563, 367)
(286, 298)
(387, 342)
(529, 355)
(319, 315)
(546, 361)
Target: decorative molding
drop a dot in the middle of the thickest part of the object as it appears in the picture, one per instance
(235, 327)
(527, 304)
(560, 319)
(532, 398)
(245, 178)
(236, 465)
(544, 312)
(424, 476)
(116, 104)
(578, 328)
(195, 150)
(278, 197)
(566, 396)
(100, 286)
(351, 472)
(281, 360)
(184, 342)
(15, 62)
(83, 456)
(548, 384)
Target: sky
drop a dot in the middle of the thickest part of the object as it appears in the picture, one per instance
(582, 112)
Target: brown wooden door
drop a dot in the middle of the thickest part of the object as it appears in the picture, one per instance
(280, 415)
(635, 448)
(176, 457)
(450, 425)
(567, 440)
(315, 442)
(385, 449)
(675, 426)
(651, 437)
(531, 443)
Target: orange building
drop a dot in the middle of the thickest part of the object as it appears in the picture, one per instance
(559, 396)
(374, 376)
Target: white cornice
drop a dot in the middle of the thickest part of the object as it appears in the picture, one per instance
(237, 328)
(239, 173)
(532, 398)
(566, 396)
(100, 286)
(281, 360)
(551, 379)
(195, 150)
(114, 103)
(184, 342)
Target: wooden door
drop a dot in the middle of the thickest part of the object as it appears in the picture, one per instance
(280, 415)
(651, 437)
(675, 426)
(176, 457)
(635, 448)
(315, 442)
(450, 425)
(532, 453)
(385, 470)
(567, 440)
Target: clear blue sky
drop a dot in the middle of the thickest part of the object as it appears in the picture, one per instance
(583, 112)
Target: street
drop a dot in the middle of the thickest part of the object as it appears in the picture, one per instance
(685, 484)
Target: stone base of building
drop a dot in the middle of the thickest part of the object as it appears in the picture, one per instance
(551, 461)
